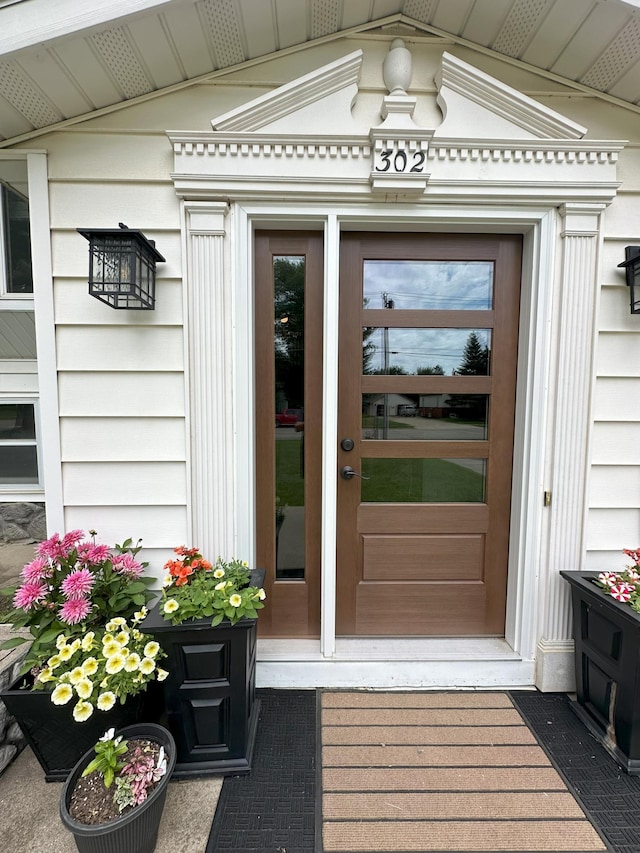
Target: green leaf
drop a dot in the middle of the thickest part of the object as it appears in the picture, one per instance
(14, 642)
(217, 619)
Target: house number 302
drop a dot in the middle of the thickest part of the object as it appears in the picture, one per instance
(397, 160)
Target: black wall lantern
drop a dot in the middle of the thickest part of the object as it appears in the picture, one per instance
(122, 267)
(631, 265)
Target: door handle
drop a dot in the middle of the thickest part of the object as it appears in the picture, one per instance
(347, 473)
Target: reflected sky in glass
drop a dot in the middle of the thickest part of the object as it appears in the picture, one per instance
(412, 350)
(428, 285)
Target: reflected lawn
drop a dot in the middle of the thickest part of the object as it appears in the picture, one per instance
(392, 480)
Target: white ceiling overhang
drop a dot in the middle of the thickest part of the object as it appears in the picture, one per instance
(65, 60)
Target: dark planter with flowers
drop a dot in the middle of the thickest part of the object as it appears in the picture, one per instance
(75, 593)
(209, 694)
(136, 831)
(57, 740)
(607, 661)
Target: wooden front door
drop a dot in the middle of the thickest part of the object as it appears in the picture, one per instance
(427, 373)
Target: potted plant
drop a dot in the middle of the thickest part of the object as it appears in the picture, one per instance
(206, 623)
(82, 603)
(114, 797)
(606, 630)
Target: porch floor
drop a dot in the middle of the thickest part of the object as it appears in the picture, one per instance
(277, 808)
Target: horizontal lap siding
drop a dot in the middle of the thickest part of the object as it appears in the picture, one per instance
(121, 374)
(614, 487)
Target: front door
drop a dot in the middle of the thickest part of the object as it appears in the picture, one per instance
(427, 373)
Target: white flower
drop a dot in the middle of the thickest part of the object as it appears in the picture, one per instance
(87, 641)
(151, 649)
(170, 606)
(132, 663)
(115, 663)
(106, 701)
(82, 711)
(218, 573)
(76, 675)
(65, 653)
(162, 674)
(167, 580)
(140, 615)
(147, 666)
(84, 688)
(108, 735)
(62, 694)
(235, 600)
(262, 594)
(90, 666)
(111, 648)
(115, 624)
(61, 641)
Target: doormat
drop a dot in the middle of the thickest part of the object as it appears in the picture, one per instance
(608, 795)
(419, 772)
(272, 808)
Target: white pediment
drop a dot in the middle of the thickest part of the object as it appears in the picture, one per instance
(476, 105)
(304, 103)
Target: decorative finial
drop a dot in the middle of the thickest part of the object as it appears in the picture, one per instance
(397, 68)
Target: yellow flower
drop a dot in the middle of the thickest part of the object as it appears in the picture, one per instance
(167, 580)
(75, 645)
(162, 674)
(90, 666)
(151, 649)
(221, 585)
(54, 661)
(245, 564)
(170, 606)
(139, 615)
(87, 641)
(65, 653)
(262, 594)
(84, 688)
(235, 600)
(115, 663)
(61, 694)
(218, 573)
(45, 675)
(115, 624)
(106, 700)
(111, 648)
(147, 666)
(76, 675)
(61, 641)
(82, 711)
(122, 638)
(132, 662)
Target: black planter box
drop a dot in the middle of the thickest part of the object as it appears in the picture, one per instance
(135, 831)
(607, 658)
(210, 692)
(57, 740)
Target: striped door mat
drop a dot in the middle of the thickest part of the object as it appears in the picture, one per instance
(440, 772)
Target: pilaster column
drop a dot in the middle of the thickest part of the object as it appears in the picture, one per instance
(210, 359)
(571, 429)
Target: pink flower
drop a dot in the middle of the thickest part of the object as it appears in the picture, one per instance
(74, 610)
(621, 592)
(71, 539)
(78, 584)
(633, 575)
(125, 564)
(92, 555)
(635, 555)
(51, 548)
(608, 578)
(28, 594)
(37, 570)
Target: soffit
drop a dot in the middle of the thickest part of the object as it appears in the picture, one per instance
(64, 60)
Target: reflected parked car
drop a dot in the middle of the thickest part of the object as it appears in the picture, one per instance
(289, 417)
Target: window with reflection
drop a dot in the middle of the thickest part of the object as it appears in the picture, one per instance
(15, 238)
(423, 480)
(18, 445)
(428, 285)
(289, 286)
(424, 352)
(425, 417)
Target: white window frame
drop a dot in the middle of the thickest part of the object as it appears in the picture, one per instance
(13, 301)
(10, 492)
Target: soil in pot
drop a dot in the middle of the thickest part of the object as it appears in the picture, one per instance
(92, 803)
